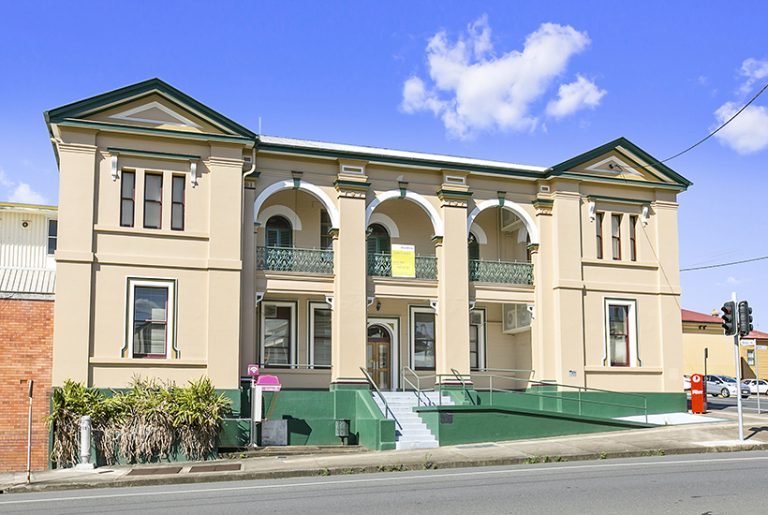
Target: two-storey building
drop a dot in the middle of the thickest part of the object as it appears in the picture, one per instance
(190, 245)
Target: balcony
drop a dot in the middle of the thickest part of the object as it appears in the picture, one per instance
(282, 259)
(380, 265)
(500, 272)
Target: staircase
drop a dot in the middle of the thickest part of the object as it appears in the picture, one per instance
(414, 433)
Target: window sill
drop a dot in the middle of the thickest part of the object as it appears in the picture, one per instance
(642, 265)
(624, 370)
(148, 362)
(140, 231)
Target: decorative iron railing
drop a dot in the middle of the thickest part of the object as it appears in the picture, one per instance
(505, 272)
(380, 265)
(283, 259)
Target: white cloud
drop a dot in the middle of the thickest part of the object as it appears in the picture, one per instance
(575, 96)
(731, 280)
(18, 191)
(748, 132)
(754, 70)
(26, 195)
(473, 89)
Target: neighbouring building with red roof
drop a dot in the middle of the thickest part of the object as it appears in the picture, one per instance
(702, 331)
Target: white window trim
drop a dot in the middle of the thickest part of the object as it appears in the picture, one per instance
(480, 339)
(634, 360)
(170, 329)
(292, 350)
(412, 310)
(315, 305)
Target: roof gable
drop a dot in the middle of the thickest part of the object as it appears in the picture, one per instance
(152, 104)
(621, 159)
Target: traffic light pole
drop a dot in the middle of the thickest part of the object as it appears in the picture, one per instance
(738, 373)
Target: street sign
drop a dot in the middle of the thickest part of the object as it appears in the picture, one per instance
(253, 370)
(748, 343)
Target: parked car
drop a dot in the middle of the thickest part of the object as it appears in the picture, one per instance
(725, 386)
(686, 382)
(757, 384)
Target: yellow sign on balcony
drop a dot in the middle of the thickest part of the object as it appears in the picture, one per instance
(403, 261)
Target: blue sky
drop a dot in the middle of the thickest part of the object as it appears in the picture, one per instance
(406, 74)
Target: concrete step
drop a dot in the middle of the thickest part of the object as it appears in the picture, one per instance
(402, 445)
(412, 433)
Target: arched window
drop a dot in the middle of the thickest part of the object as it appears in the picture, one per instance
(378, 240)
(279, 232)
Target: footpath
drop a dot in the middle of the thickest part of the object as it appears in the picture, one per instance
(719, 435)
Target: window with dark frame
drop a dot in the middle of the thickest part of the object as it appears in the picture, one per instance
(53, 230)
(177, 202)
(423, 341)
(153, 201)
(599, 234)
(618, 325)
(127, 198)
(150, 321)
(616, 236)
(633, 238)
(326, 240)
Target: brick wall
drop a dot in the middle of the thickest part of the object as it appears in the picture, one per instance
(26, 333)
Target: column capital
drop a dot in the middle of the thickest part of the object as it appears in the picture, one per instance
(454, 198)
(351, 189)
(543, 206)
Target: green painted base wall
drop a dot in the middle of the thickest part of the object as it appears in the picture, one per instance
(454, 425)
(538, 414)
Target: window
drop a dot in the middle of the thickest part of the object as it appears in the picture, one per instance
(620, 332)
(53, 229)
(127, 196)
(378, 240)
(279, 232)
(423, 338)
(474, 248)
(177, 203)
(751, 357)
(326, 240)
(153, 200)
(633, 238)
(278, 329)
(320, 334)
(599, 234)
(476, 339)
(151, 310)
(616, 236)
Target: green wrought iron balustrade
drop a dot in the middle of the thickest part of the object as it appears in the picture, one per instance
(504, 272)
(287, 259)
(380, 265)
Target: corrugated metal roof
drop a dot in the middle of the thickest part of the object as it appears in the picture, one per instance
(27, 280)
(386, 152)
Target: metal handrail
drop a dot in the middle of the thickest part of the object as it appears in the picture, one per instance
(463, 385)
(579, 390)
(418, 391)
(387, 409)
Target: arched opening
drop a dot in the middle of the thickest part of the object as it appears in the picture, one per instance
(279, 232)
(505, 255)
(378, 246)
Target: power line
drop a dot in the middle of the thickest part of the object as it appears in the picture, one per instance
(705, 138)
(720, 265)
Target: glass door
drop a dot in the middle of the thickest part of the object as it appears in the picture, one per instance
(378, 356)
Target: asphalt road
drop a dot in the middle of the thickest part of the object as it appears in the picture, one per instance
(711, 483)
(749, 405)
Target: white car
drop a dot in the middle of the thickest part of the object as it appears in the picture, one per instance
(686, 382)
(757, 384)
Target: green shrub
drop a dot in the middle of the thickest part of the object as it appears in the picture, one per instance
(147, 422)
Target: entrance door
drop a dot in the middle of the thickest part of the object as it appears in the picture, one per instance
(379, 356)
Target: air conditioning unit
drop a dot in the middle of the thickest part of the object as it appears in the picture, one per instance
(516, 318)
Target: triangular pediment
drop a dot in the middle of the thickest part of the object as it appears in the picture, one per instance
(151, 104)
(621, 160)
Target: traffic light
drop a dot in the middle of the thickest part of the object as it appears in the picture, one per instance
(745, 318)
(729, 318)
